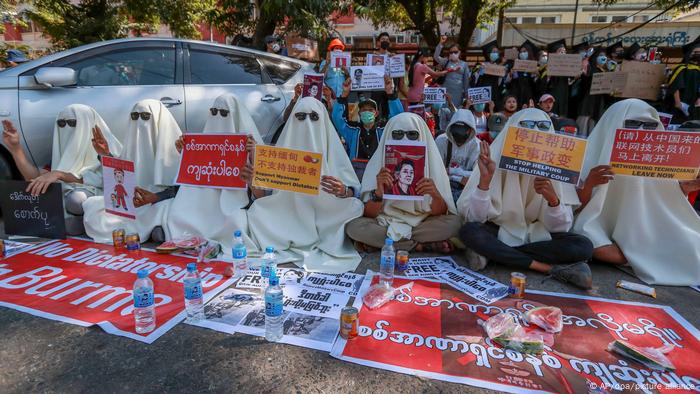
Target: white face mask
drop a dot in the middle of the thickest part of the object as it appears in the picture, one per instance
(276, 47)
(454, 57)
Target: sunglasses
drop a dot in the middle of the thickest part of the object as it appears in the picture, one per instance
(454, 52)
(302, 115)
(410, 134)
(539, 124)
(63, 122)
(144, 115)
(638, 124)
(223, 112)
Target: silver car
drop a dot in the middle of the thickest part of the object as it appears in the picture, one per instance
(111, 76)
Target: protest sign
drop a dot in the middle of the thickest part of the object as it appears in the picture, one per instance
(564, 65)
(608, 83)
(494, 69)
(341, 59)
(405, 160)
(287, 169)
(433, 331)
(418, 109)
(528, 66)
(427, 267)
(314, 302)
(345, 283)
(538, 153)
(397, 65)
(119, 181)
(85, 283)
(473, 284)
(656, 154)
(213, 160)
(252, 279)
(511, 54)
(313, 86)
(643, 80)
(37, 216)
(302, 48)
(376, 60)
(665, 119)
(479, 95)
(367, 77)
(434, 95)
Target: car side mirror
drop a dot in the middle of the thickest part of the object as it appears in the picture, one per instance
(55, 76)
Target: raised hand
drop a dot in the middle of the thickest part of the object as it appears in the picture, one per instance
(180, 144)
(487, 167)
(99, 142)
(10, 136)
(544, 187)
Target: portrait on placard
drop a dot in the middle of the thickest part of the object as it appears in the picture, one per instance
(406, 162)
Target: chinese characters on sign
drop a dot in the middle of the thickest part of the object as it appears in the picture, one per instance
(213, 160)
(287, 169)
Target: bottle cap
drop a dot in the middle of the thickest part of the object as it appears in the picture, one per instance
(389, 241)
(237, 233)
(191, 267)
(142, 274)
(270, 249)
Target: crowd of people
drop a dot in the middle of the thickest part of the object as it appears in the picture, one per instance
(469, 204)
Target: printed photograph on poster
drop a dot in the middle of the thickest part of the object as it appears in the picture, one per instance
(397, 65)
(479, 95)
(367, 77)
(406, 162)
(376, 60)
(34, 216)
(434, 95)
(231, 306)
(288, 277)
(311, 328)
(341, 59)
(213, 160)
(119, 181)
(313, 86)
(418, 109)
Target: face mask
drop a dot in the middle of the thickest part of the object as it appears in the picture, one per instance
(479, 107)
(493, 134)
(454, 57)
(384, 44)
(602, 59)
(367, 117)
(523, 55)
(337, 50)
(460, 133)
(493, 56)
(543, 60)
(276, 47)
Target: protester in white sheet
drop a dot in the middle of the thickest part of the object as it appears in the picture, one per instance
(73, 161)
(150, 144)
(645, 222)
(216, 213)
(427, 224)
(311, 229)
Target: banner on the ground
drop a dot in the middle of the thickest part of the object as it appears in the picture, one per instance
(528, 66)
(397, 65)
(213, 160)
(434, 331)
(341, 59)
(405, 160)
(367, 77)
(85, 283)
(479, 95)
(564, 65)
(313, 86)
(12, 248)
(473, 284)
(119, 180)
(345, 283)
(494, 69)
(434, 95)
(36, 216)
(287, 169)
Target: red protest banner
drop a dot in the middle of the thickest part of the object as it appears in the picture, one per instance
(433, 331)
(213, 160)
(85, 283)
(656, 154)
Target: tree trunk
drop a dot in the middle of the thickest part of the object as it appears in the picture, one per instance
(264, 26)
(425, 24)
(468, 18)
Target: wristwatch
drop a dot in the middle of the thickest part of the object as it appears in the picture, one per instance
(374, 197)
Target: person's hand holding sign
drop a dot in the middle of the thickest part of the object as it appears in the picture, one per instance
(40, 184)
(427, 186)
(250, 147)
(334, 186)
(599, 175)
(487, 167)
(144, 197)
(388, 85)
(100, 143)
(384, 180)
(180, 144)
(544, 187)
(346, 87)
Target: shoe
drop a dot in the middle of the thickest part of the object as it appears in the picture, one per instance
(578, 274)
(475, 261)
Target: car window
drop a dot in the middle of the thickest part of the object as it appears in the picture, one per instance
(223, 68)
(279, 70)
(143, 66)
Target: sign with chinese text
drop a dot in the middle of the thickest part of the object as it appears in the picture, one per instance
(434, 95)
(564, 65)
(539, 153)
(213, 160)
(656, 154)
(119, 181)
(287, 169)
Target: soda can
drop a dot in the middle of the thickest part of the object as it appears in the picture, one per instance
(133, 242)
(518, 281)
(119, 238)
(349, 321)
(401, 260)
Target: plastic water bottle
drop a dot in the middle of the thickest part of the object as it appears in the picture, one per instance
(386, 264)
(194, 297)
(269, 265)
(274, 297)
(240, 255)
(144, 309)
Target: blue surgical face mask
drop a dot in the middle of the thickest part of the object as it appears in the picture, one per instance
(493, 56)
(602, 59)
(367, 117)
(523, 55)
(542, 61)
(479, 107)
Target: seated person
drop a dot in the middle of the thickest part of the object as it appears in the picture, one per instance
(510, 106)
(644, 222)
(150, 144)
(425, 225)
(546, 104)
(362, 138)
(521, 220)
(459, 149)
(73, 161)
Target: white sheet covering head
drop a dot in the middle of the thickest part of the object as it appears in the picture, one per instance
(516, 207)
(312, 228)
(650, 220)
(72, 149)
(401, 216)
(216, 213)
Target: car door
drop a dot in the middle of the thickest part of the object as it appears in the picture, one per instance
(111, 79)
(211, 71)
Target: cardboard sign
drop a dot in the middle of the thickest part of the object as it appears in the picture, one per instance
(287, 169)
(608, 83)
(213, 160)
(119, 182)
(434, 95)
(397, 65)
(405, 159)
(511, 53)
(539, 153)
(37, 216)
(527, 66)
(434, 331)
(367, 77)
(656, 154)
(479, 95)
(494, 69)
(84, 283)
(313, 86)
(643, 81)
(564, 65)
(302, 48)
(341, 59)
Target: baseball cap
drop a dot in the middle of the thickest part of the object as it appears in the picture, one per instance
(546, 97)
(367, 101)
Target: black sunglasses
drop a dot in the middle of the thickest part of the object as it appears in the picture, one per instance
(144, 115)
(638, 124)
(540, 124)
(63, 122)
(302, 115)
(410, 134)
(223, 112)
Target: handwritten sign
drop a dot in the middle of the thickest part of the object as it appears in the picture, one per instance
(119, 181)
(479, 95)
(643, 80)
(656, 154)
(528, 66)
(367, 77)
(287, 169)
(434, 95)
(38, 216)
(608, 83)
(213, 160)
(341, 59)
(397, 65)
(511, 53)
(538, 153)
(494, 69)
(564, 65)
